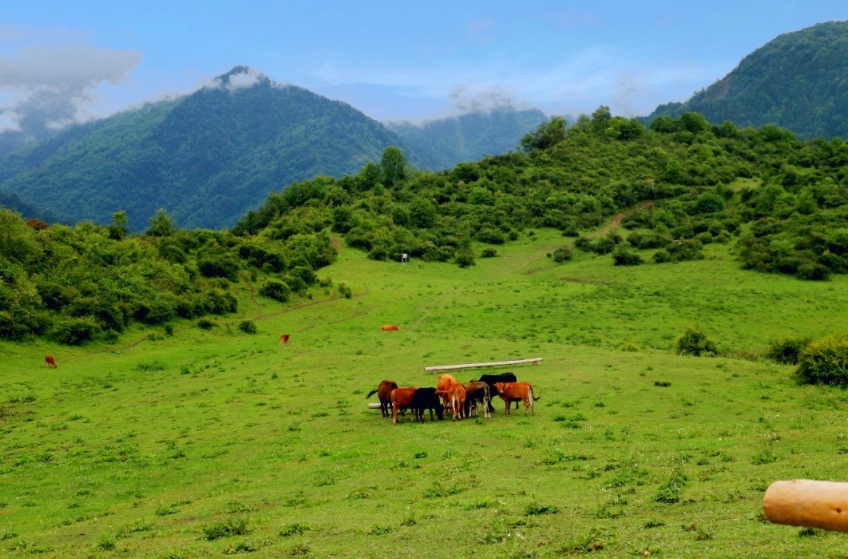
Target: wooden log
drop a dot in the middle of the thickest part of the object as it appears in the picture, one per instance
(373, 405)
(804, 502)
(437, 368)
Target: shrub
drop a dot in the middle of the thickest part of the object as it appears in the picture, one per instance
(787, 351)
(247, 326)
(345, 291)
(562, 254)
(825, 361)
(694, 341)
(276, 290)
(232, 527)
(74, 331)
(464, 259)
(625, 257)
(491, 236)
(489, 253)
(206, 324)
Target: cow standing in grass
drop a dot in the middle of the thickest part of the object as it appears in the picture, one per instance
(426, 399)
(50, 361)
(401, 400)
(491, 380)
(517, 392)
(477, 392)
(384, 393)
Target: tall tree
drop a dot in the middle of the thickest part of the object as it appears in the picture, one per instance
(393, 166)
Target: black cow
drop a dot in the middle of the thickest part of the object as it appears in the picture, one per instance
(491, 380)
(426, 399)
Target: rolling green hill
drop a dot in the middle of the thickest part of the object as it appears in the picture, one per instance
(441, 144)
(206, 158)
(798, 81)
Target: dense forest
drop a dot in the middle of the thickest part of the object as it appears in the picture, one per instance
(798, 81)
(443, 143)
(781, 202)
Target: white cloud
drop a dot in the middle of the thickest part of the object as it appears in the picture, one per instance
(46, 86)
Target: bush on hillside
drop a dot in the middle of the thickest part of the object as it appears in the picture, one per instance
(276, 290)
(787, 350)
(489, 253)
(562, 254)
(464, 259)
(623, 256)
(694, 341)
(247, 326)
(825, 361)
(75, 331)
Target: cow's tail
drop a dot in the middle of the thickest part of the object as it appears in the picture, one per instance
(533, 394)
(372, 393)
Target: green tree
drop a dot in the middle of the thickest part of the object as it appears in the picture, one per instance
(161, 224)
(600, 119)
(118, 230)
(392, 166)
(548, 134)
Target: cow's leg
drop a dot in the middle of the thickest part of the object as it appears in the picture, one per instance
(394, 414)
(486, 413)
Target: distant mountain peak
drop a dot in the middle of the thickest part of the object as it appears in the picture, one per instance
(240, 76)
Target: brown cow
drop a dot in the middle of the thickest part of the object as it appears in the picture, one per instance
(477, 392)
(401, 400)
(50, 361)
(443, 388)
(389, 328)
(453, 394)
(284, 339)
(384, 393)
(516, 391)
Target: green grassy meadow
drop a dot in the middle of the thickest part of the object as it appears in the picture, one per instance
(208, 443)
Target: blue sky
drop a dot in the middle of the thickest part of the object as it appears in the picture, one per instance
(392, 60)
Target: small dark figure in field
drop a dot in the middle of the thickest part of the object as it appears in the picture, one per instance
(517, 392)
(50, 361)
(284, 339)
(384, 393)
(491, 380)
(426, 399)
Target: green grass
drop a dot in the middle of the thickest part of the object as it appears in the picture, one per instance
(217, 442)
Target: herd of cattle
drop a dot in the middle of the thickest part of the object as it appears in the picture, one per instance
(462, 400)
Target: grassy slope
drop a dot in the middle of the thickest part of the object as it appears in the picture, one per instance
(113, 453)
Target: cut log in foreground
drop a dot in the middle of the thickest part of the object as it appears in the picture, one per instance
(803, 502)
(437, 368)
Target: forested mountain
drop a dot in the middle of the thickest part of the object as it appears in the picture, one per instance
(441, 144)
(206, 158)
(798, 81)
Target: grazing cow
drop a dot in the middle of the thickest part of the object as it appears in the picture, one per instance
(443, 388)
(491, 380)
(514, 392)
(401, 400)
(389, 328)
(50, 361)
(453, 394)
(426, 399)
(284, 339)
(384, 393)
(477, 392)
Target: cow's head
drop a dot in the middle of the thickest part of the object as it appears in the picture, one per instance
(499, 386)
(440, 410)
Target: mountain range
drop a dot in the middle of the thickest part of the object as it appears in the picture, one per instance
(798, 81)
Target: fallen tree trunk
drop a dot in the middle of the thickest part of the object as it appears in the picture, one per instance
(437, 368)
(804, 502)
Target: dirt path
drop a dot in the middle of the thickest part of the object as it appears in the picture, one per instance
(603, 230)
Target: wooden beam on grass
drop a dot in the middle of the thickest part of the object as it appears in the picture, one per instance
(438, 368)
(804, 502)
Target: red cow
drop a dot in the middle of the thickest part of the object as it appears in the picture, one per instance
(284, 339)
(514, 392)
(389, 328)
(401, 399)
(50, 361)
(384, 393)
(443, 388)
